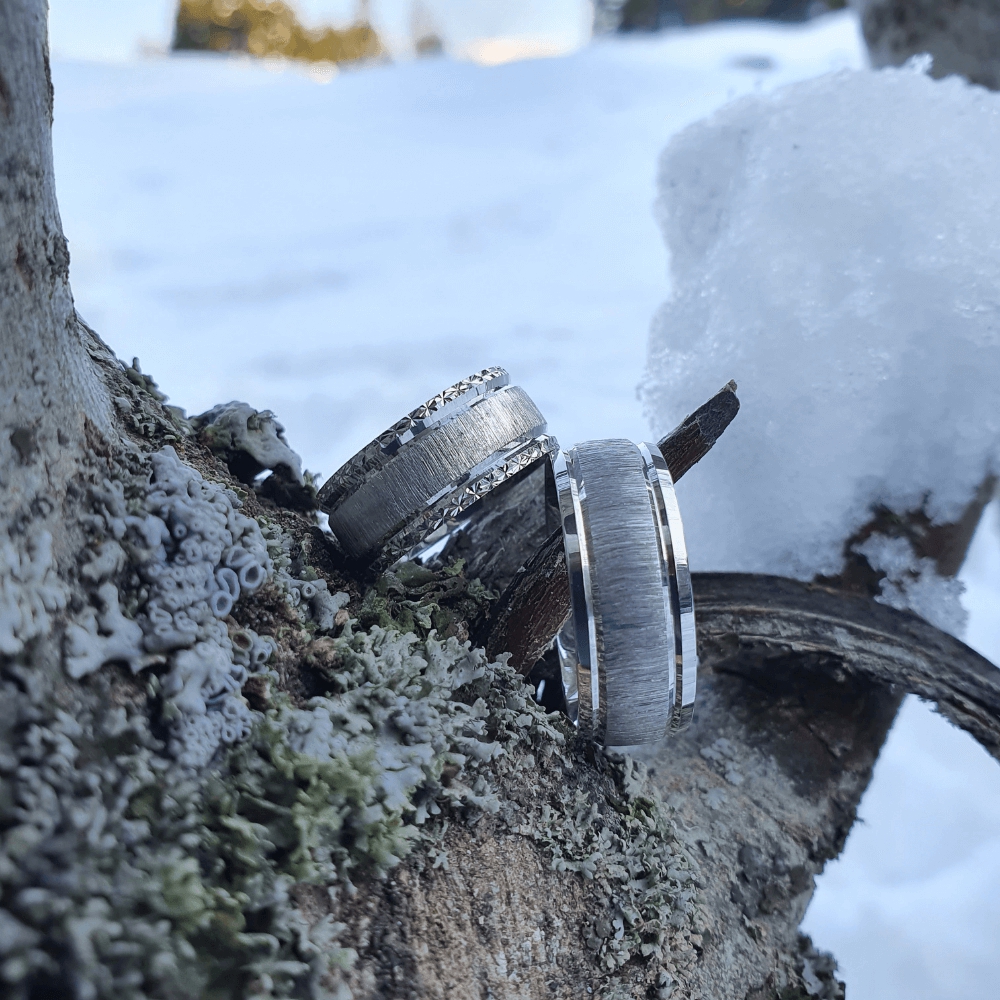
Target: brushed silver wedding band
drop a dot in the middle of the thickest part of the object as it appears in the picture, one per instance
(431, 466)
(627, 651)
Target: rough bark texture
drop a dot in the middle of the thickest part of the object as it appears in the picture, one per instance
(798, 688)
(962, 36)
(750, 618)
(692, 439)
(49, 390)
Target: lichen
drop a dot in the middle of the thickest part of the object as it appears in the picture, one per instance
(138, 400)
(193, 554)
(103, 636)
(413, 598)
(157, 833)
(30, 589)
(139, 880)
(631, 851)
(252, 442)
(238, 427)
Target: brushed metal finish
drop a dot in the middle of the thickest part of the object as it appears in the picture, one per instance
(382, 449)
(481, 442)
(627, 650)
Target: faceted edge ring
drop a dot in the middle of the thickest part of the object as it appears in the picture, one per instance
(431, 466)
(627, 651)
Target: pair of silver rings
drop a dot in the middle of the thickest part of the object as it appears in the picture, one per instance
(627, 650)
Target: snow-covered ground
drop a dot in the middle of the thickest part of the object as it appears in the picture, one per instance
(339, 251)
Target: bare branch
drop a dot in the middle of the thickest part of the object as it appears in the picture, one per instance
(692, 439)
(851, 634)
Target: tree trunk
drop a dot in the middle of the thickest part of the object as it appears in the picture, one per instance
(961, 36)
(50, 392)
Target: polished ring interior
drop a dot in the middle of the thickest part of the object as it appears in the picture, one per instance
(462, 444)
(627, 651)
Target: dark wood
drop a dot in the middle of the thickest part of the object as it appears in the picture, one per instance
(852, 635)
(532, 609)
(692, 439)
(534, 606)
(946, 544)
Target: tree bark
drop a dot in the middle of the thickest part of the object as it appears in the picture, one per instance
(962, 36)
(50, 391)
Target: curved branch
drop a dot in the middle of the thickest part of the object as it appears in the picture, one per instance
(798, 687)
(856, 636)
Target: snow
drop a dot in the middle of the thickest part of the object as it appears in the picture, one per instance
(913, 584)
(337, 253)
(911, 910)
(981, 576)
(912, 907)
(830, 257)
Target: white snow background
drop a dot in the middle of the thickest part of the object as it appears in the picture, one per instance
(338, 252)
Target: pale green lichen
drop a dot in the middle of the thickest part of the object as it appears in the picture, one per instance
(628, 846)
(124, 876)
(412, 598)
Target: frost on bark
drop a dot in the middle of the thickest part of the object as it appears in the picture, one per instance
(232, 765)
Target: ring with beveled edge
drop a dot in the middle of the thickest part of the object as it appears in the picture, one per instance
(430, 467)
(627, 651)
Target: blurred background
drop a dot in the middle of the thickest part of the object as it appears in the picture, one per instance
(334, 209)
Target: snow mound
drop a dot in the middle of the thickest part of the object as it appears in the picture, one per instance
(835, 248)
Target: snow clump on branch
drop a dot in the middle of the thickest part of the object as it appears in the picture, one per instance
(835, 247)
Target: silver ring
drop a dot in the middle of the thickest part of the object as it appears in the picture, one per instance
(430, 467)
(627, 651)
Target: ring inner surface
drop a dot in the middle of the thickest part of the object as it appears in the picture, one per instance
(456, 507)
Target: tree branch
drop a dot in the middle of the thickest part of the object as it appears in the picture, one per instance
(797, 688)
(693, 438)
(854, 635)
